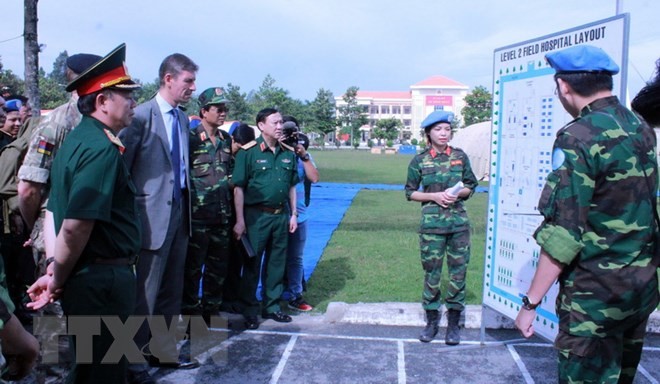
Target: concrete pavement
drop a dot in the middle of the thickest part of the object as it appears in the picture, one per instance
(376, 343)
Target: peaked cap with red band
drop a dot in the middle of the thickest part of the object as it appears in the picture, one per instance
(108, 73)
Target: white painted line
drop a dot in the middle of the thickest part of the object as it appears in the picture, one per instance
(520, 364)
(401, 363)
(285, 356)
(646, 374)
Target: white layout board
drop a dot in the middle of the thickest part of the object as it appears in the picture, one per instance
(526, 116)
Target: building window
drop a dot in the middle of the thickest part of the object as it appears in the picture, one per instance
(374, 109)
(406, 122)
(396, 110)
(365, 109)
(385, 109)
(406, 109)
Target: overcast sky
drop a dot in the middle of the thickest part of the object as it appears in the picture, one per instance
(377, 45)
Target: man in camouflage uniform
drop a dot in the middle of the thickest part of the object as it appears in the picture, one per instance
(34, 173)
(33, 190)
(444, 226)
(211, 164)
(597, 237)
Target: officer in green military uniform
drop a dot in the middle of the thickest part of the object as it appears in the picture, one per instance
(447, 180)
(95, 215)
(265, 178)
(598, 233)
(211, 196)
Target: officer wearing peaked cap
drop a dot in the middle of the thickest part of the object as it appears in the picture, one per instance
(444, 229)
(95, 215)
(33, 190)
(607, 272)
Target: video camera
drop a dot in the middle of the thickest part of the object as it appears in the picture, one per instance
(290, 134)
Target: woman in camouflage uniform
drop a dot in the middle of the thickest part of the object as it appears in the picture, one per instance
(444, 229)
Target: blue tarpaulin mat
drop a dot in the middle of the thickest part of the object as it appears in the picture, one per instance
(328, 205)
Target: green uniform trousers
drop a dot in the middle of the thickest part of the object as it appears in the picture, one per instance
(99, 290)
(601, 359)
(433, 248)
(270, 233)
(208, 247)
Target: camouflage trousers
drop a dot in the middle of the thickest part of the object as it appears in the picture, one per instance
(433, 248)
(611, 359)
(206, 261)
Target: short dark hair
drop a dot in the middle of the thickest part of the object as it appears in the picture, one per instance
(292, 119)
(243, 134)
(22, 98)
(264, 113)
(647, 101)
(175, 64)
(587, 83)
(87, 103)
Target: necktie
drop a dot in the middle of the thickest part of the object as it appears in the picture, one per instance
(176, 156)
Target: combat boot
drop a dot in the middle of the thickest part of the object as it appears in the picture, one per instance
(431, 329)
(453, 335)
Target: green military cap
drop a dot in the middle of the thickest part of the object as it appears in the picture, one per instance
(212, 96)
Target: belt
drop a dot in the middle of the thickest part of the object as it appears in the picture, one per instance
(117, 261)
(263, 208)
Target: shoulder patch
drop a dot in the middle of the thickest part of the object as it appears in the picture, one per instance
(249, 145)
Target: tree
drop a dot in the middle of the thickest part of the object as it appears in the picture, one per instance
(52, 92)
(9, 82)
(350, 113)
(58, 74)
(387, 129)
(31, 48)
(322, 113)
(239, 109)
(478, 106)
(147, 91)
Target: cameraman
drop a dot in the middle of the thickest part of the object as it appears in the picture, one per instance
(307, 173)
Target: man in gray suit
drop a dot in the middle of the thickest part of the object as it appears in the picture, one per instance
(157, 156)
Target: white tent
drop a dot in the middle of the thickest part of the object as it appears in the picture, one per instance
(475, 141)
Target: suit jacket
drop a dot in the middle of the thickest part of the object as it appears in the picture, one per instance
(147, 156)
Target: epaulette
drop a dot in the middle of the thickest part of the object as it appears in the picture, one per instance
(249, 145)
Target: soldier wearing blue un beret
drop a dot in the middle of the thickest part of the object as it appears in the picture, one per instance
(598, 236)
(446, 179)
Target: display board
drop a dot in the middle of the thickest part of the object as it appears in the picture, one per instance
(526, 116)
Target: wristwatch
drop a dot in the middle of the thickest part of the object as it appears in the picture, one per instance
(527, 305)
(305, 158)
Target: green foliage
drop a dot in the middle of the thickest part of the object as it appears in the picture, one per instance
(147, 91)
(239, 109)
(413, 141)
(322, 113)
(478, 106)
(389, 143)
(387, 129)
(10, 82)
(351, 116)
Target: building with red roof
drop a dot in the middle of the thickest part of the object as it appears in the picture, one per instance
(411, 107)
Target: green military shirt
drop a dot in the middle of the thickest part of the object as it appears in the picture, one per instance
(598, 219)
(436, 172)
(211, 166)
(91, 182)
(265, 176)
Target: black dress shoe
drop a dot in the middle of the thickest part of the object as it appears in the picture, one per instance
(140, 377)
(278, 316)
(182, 363)
(251, 322)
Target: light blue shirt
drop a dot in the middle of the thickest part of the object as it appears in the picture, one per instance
(300, 191)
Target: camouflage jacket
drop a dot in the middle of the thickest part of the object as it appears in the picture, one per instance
(598, 220)
(211, 166)
(46, 140)
(436, 172)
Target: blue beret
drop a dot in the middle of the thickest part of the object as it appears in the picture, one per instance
(437, 117)
(13, 105)
(81, 62)
(582, 58)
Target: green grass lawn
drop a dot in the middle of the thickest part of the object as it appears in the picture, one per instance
(373, 256)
